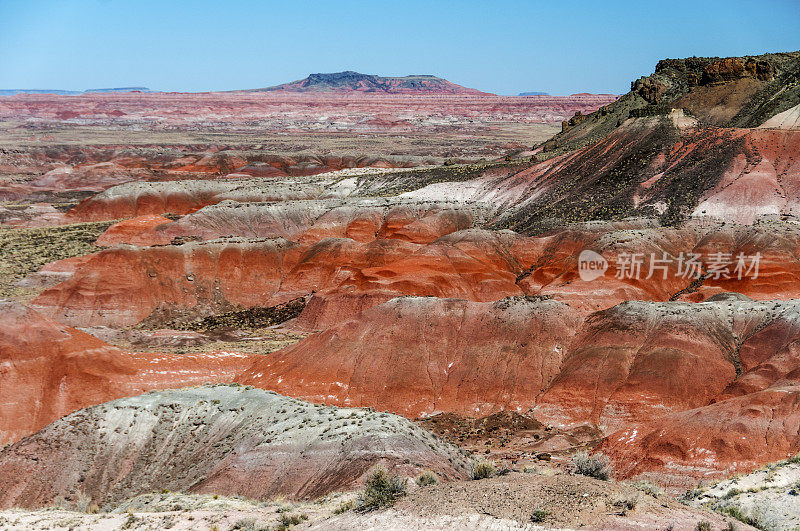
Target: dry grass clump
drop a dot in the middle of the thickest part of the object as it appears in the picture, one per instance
(596, 466)
(483, 469)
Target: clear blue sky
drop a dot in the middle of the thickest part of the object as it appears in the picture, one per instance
(500, 46)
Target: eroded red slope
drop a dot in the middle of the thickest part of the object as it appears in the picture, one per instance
(418, 356)
(734, 435)
(48, 370)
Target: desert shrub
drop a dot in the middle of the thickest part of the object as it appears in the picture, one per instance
(595, 465)
(344, 507)
(131, 522)
(483, 469)
(249, 524)
(647, 487)
(764, 517)
(539, 515)
(427, 478)
(794, 459)
(287, 521)
(380, 490)
(626, 503)
(703, 525)
(734, 512)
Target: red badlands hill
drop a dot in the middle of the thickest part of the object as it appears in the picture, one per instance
(418, 355)
(729, 368)
(350, 81)
(124, 285)
(665, 167)
(352, 258)
(48, 370)
(304, 221)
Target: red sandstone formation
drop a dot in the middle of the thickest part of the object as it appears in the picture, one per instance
(48, 370)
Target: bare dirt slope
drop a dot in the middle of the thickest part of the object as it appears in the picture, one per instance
(220, 439)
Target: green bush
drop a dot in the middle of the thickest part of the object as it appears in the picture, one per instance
(595, 466)
(427, 478)
(483, 469)
(704, 525)
(380, 490)
(539, 515)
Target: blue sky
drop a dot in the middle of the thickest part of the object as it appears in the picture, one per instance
(500, 46)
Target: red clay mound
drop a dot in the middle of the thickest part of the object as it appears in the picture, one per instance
(49, 370)
(181, 197)
(412, 222)
(124, 285)
(635, 366)
(419, 356)
(129, 230)
(735, 435)
(754, 420)
(306, 221)
(555, 269)
(638, 360)
(92, 177)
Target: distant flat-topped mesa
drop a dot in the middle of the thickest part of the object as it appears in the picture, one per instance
(350, 81)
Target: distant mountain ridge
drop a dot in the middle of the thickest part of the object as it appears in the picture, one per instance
(11, 92)
(350, 81)
(534, 94)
